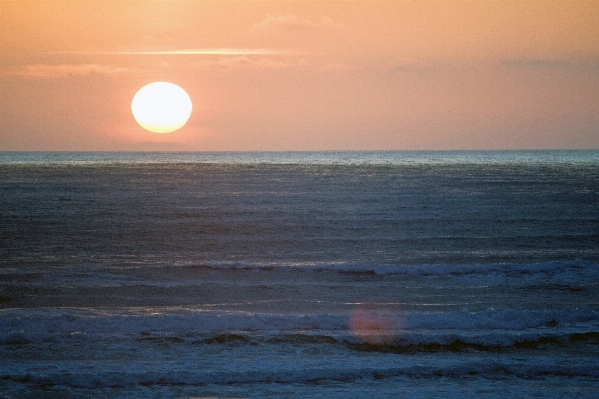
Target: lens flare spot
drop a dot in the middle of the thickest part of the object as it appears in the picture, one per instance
(372, 327)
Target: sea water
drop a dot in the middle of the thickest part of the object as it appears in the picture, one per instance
(328, 274)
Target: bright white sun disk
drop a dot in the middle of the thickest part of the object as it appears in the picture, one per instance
(161, 107)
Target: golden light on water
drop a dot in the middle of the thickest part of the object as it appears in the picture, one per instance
(161, 107)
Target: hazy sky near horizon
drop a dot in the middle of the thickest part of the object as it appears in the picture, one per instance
(302, 75)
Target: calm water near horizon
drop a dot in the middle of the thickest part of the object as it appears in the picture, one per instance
(305, 157)
(299, 274)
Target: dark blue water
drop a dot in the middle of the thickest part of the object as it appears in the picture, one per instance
(347, 274)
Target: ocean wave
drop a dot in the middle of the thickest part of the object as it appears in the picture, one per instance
(128, 378)
(564, 274)
(402, 343)
(165, 320)
(515, 270)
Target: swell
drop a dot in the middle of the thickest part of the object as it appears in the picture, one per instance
(136, 320)
(490, 370)
(480, 344)
(398, 342)
(410, 345)
(423, 270)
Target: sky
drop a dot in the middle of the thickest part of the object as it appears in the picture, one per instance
(302, 75)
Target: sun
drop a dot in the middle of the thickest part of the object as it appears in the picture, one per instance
(161, 107)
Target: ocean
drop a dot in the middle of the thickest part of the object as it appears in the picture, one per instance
(471, 274)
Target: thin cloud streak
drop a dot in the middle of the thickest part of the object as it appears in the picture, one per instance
(206, 51)
(41, 71)
(245, 62)
(588, 62)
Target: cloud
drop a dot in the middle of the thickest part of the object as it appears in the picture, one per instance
(245, 62)
(401, 66)
(534, 63)
(222, 62)
(292, 22)
(550, 63)
(41, 71)
(200, 51)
